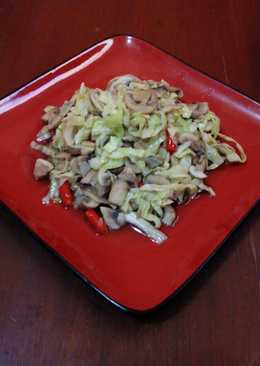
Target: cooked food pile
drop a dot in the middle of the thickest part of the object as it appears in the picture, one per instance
(130, 154)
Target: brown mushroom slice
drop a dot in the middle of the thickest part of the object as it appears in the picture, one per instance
(196, 144)
(88, 202)
(156, 179)
(90, 178)
(84, 168)
(92, 193)
(203, 163)
(105, 178)
(178, 91)
(42, 148)
(79, 165)
(169, 215)
(121, 219)
(111, 218)
(199, 109)
(42, 168)
(63, 155)
(83, 201)
(141, 96)
(160, 88)
(50, 112)
(118, 192)
(169, 106)
(153, 162)
(94, 97)
(87, 147)
(101, 190)
(184, 137)
(128, 174)
(143, 101)
(74, 164)
(43, 135)
(123, 80)
(54, 115)
(139, 144)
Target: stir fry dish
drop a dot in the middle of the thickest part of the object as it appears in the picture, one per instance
(130, 154)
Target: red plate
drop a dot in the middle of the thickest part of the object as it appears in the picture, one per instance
(123, 265)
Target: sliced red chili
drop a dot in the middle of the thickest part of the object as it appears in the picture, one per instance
(170, 145)
(96, 221)
(65, 194)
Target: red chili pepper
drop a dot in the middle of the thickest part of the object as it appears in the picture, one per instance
(170, 145)
(96, 221)
(66, 194)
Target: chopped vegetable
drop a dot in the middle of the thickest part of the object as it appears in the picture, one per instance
(96, 221)
(66, 194)
(170, 145)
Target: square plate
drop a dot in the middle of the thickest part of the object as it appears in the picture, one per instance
(124, 266)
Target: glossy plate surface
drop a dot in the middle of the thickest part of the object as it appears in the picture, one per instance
(123, 265)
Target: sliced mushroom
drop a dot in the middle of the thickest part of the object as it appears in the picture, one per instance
(42, 148)
(156, 179)
(50, 113)
(153, 162)
(79, 165)
(105, 178)
(42, 168)
(121, 219)
(91, 193)
(199, 109)
(90, 178)
(63, 156)
(84, 168)
(184, 137)
(94, 97)
(128, 174)
(118, 192)
(139, 145)
(169, 215)
(141, 100)
(87, 147)
(101, 190)
(184, 196)
(196, 144)
(54, 115)
(203, 163)
(123, 80)
(81, 201)
(43, 135)
(178, 91)
(88, 197)
(169, 106)
(111, 218)
(61, 164)
(74, 164)
(160, 88)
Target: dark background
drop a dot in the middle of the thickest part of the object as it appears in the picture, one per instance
(47, 315)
